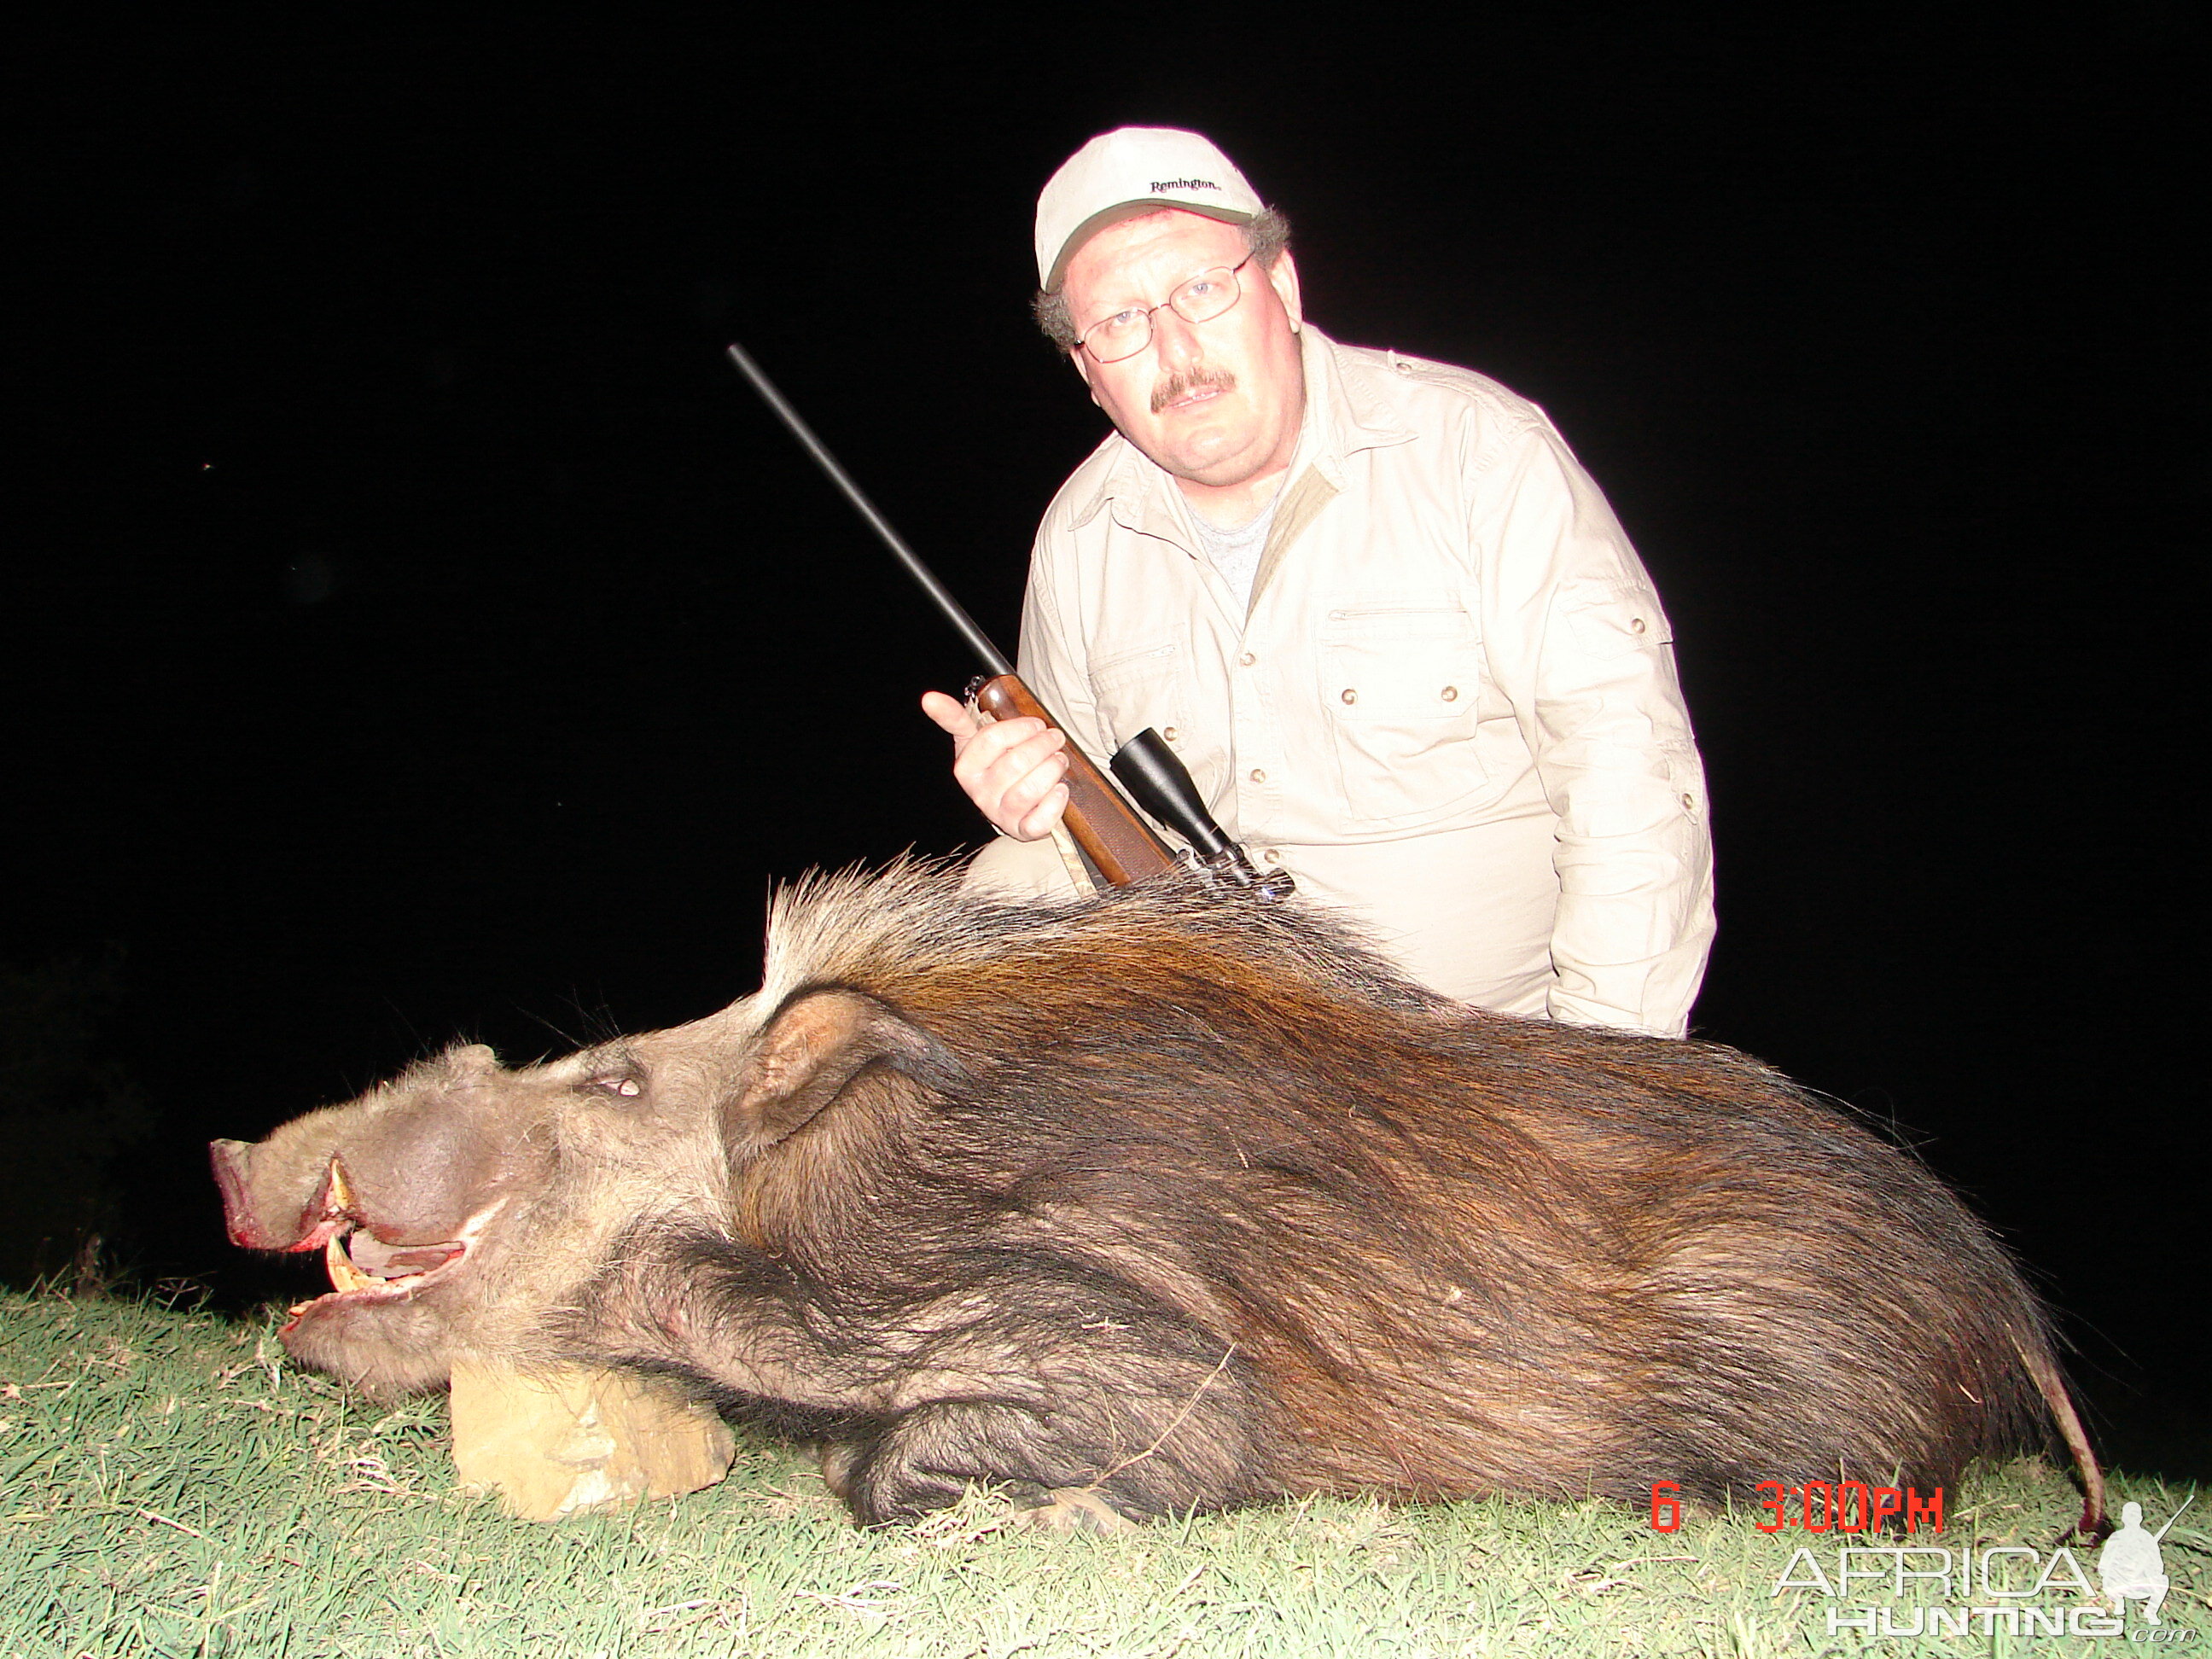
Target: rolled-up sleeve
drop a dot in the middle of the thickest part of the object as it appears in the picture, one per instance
(1583, 649)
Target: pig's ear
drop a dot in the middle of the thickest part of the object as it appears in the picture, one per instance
(470, 1062)
(812, 1049)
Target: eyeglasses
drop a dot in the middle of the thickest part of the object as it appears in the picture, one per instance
(1200, 299)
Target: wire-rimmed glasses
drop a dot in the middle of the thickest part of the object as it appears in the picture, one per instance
(1200, 299)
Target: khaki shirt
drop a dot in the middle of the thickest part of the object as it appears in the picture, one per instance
(1450, 708)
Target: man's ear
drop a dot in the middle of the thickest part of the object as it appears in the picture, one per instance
(1283, 276)
(810, 1050)
(1081, 359)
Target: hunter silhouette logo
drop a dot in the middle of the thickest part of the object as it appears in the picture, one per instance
(2129, 1566)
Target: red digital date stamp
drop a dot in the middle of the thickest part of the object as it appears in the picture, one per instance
(1819, 1506)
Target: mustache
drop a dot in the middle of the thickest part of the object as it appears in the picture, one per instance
(1184, 382)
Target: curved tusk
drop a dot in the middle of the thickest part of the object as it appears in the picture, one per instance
(343, 1274)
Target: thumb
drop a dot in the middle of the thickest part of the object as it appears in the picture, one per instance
(949, 715)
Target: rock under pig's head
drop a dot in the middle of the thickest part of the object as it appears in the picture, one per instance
(457, 1203)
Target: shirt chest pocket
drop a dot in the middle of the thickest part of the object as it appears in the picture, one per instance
(1148, 688)
(1399, 687)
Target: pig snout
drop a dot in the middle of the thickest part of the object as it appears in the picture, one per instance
(249, 1198)
(232, 1161)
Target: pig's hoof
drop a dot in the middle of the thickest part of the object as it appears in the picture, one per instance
(1075, 1508)
(838, 1459)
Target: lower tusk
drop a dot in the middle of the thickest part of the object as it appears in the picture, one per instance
(343, 1274)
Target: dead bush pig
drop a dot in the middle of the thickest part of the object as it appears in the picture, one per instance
(1177, 1202)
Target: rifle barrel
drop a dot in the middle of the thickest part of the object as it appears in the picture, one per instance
(978, 641)
(2171, 1519)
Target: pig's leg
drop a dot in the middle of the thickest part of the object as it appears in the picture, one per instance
(837, 1458)
(1126, 1436)
(925, 1459)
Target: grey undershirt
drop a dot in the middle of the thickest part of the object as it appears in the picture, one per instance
(1236, 553)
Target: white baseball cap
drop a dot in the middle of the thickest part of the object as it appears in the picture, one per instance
(1135, 170)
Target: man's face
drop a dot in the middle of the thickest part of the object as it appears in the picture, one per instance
(1215, 403)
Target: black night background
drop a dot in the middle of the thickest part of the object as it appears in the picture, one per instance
(419, 630)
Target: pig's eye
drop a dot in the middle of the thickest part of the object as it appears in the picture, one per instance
(626, 1084)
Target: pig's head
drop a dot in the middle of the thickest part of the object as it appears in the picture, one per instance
(469, 1211)
(457, 1203)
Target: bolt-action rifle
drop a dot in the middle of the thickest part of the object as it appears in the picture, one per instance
(1113, 835)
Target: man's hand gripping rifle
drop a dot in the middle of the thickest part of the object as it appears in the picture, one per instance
(1113, 835)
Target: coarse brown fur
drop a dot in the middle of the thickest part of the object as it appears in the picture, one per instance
(1186, 1202)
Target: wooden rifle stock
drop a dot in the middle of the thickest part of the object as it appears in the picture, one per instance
(1108, 829)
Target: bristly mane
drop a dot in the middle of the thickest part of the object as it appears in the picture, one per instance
(897, 930)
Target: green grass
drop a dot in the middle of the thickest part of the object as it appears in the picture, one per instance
(169, 1486)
